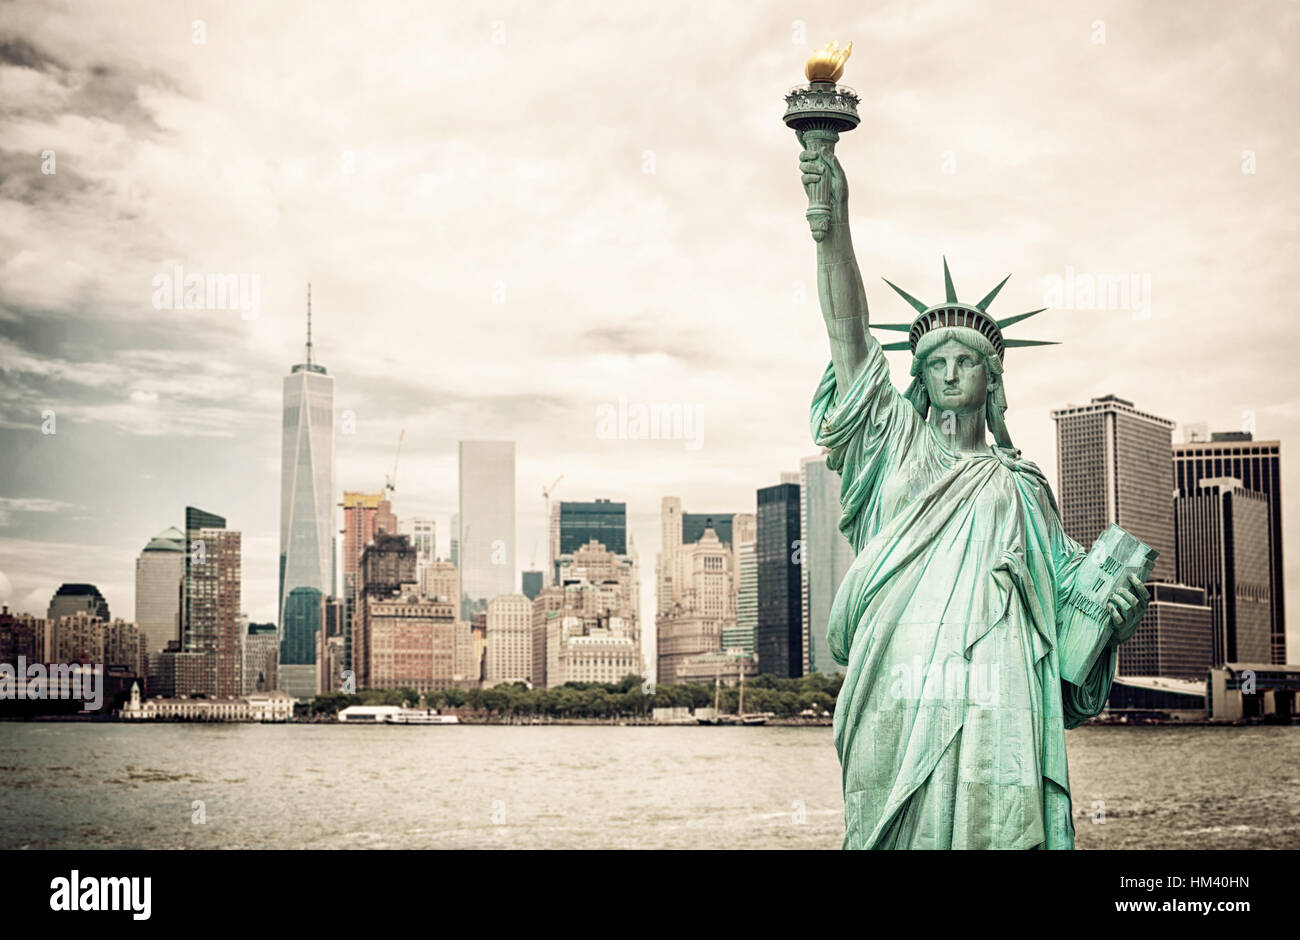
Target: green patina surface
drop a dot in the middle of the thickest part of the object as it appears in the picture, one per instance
(950, 724)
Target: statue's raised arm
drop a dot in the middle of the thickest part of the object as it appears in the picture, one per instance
(839, 281)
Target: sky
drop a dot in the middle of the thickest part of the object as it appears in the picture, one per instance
(516, 217)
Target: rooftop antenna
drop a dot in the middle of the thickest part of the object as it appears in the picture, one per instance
(309, 323)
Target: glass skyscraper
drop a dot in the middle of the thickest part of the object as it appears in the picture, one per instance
(1223, 547)
(1257, 464)
(827, 556)
(486, 540)
(306, 504)
(780, 605)
(158, 574)
(694, 524)
(601, 520)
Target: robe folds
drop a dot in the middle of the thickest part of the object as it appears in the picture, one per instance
(950, 724)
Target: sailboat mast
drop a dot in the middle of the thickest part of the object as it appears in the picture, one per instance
(717, 687)
(741, 710)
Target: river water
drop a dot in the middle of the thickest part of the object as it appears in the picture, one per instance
(117, 785)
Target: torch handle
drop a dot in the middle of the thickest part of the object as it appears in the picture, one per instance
(819, 193)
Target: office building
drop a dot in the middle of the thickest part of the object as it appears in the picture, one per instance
(21, 635)
(703, 605)
(213, 600)
(1257, 464)
(1223, 546)
(387, 564)
(487, 522)
(1174, 638)
(780, 585)
(261, 658)
(306, 495)
(826, 559)
(509, 640)
(601, 521)
(75, 598)
(361, 512)
(547, 606)
(1113, 466)
(411, 641)
(158, 574)
(441, 581)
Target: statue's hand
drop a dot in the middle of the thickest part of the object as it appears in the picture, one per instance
(1126, 606)
(818, 165)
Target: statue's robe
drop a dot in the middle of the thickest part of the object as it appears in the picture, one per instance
(950, 724)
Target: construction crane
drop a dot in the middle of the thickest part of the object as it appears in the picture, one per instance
(390, 482)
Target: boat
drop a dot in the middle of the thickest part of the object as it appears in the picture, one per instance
(394, 715)
(740, 718)
(411, 716)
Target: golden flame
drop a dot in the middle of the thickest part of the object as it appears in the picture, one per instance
(827, 63)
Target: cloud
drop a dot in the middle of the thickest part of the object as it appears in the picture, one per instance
(510, 219)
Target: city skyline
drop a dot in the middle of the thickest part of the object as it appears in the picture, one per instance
(159, 409)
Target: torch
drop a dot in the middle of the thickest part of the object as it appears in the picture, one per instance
(818, 112)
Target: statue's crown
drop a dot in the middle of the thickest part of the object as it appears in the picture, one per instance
(952, 313)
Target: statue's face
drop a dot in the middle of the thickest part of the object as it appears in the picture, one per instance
(955, 378)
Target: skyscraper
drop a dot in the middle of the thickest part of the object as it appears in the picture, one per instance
(307, 488)
(158, 574)
(827, 557)
(1174, 638)
(601, 520)
(195, 521)
(744, 635)
(387, 564)
(676, 531)
(1113, 466)
(487, 522)
(359, 511)
(423, 537)
(261, 658)
(299, 636)
(1257, 464)
(780, 591)
(509, 640)
(703, 606)
(670, 540)
(412, 641)
(73, 598)
(441, 581)
(1223, 546)
(694, 524)
(212, 602)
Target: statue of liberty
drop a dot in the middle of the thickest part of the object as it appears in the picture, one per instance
(950, 724)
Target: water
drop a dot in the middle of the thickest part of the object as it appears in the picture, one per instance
(73, 785)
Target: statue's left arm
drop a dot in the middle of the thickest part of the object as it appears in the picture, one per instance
(1087, 699)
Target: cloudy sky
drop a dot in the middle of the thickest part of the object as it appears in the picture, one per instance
(515, 214)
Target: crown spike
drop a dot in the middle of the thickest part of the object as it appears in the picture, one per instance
(1031, 342)
(893, 347)
(899, 327)
(949, 292)
(1007, 321)
(988, 299)
(916, 304)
